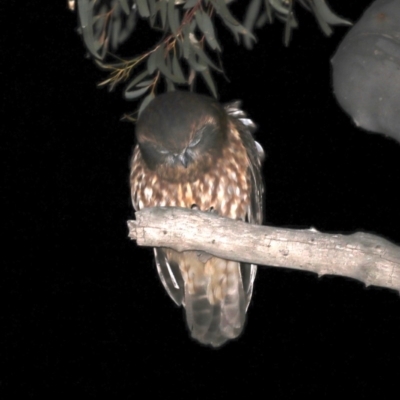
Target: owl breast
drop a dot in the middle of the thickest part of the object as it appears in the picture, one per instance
(225, 187)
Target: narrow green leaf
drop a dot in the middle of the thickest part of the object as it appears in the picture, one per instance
(249, 21)
(322, 23)
(129, 26)
(170, 85)
(152, 7)
(202, 56)
(330, 17)
(268, 11)
(124, 6)
(153, 12)
(262, 20)
(163, 9)
(209, 81)
(176, 68)
(280, 6)
(143, 8)
(232, 28)
(223, 11)
(206, 26)
(136, 80)
(147, 82)
(238, 30)
(186, 41)
(135, 93)
(115, 33)
(195, 64)
(166, 69)
(190, 4)
(146, 102)
(173, 17)
(290, 24)
(288, 31)
(199, 18)
(152, 60)
(163, 63)
(85, 12)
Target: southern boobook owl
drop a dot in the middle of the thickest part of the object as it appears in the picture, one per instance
(193, 152)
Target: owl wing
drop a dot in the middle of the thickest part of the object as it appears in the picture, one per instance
(170, 275)
(255, 213)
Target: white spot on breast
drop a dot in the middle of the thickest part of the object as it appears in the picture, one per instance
(148, 192)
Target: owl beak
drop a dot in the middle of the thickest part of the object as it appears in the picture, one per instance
(183, 159)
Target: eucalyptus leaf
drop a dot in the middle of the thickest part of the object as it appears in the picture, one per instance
(173, 17)
(135, 93)
(152, 61)
(322, 23)
(170, 85)
(143, 8)
(146, 102)
(262, 20)
(176, 68)
(223, 11)
(238, 30)
(206, 26)
(190, 4)
(202, 56)
(129, 26)
(195, 64)
(85, 11)
(288, 31)
(250, 19)
(209, 81)
(116, 29)
(186, 41)
(136, 80)
(125, 6)
(280, 6)
(163, 11)
(163, 63)
(199, 18)
(153, 11)
(326, 13)
(233, 29)
(145, 83)
(268, 10)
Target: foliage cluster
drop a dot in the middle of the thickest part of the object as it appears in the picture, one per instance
(187, 37)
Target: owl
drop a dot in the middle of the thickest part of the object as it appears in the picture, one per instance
(193, 152)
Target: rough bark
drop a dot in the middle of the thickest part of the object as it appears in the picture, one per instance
(362, 256)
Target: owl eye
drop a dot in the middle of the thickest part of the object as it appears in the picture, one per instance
(197, 137)
(161, 150)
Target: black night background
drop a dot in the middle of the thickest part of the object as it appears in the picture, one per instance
(83, 310)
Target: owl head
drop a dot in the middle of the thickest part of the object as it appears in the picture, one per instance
(180, 131)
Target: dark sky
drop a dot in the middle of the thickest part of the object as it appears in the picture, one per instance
(84, 311)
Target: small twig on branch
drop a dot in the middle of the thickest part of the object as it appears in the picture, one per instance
(362, 256)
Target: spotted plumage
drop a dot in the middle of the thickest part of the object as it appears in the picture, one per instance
(193, 152)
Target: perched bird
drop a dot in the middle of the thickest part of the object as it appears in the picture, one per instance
(193, 152)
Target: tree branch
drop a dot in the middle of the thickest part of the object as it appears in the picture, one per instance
(362, 256)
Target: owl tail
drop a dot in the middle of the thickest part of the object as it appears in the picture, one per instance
(215, 300)
(214, 292)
